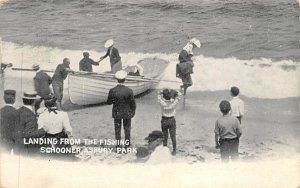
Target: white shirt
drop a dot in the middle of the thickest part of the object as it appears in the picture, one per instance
(54, 123)
(160, 155)
(168, 107)
(237, 107)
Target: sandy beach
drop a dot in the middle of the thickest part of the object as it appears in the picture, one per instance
(269, 147)
(270, 127)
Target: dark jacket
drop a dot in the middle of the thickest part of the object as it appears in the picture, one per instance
(27, 127)
(41, 84)
(86, 64)
(184, 56)
(9, 119)
(60, 74)
(123, 102)
(114, 55)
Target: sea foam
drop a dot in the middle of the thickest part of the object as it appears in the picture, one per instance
(260, 78)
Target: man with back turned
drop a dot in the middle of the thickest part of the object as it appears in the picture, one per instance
(8, 121)
(124, 107)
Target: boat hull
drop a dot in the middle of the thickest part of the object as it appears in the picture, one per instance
(87, 89)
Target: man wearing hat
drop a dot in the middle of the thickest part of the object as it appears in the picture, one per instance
(122, 99)
(113, 53)
(86, 63)
(185, 67)
(42, 83)
(27, 126)
(60, 74)
(8, 122)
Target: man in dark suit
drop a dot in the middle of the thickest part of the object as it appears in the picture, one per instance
(8, 122)
(42, 83)
(113, 53)
(123, 107)
(27, 127)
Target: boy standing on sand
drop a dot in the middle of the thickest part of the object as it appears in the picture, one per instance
(237, 105)
(168, 100)
(227, 133)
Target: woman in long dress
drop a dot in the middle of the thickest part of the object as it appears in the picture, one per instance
(113, 53)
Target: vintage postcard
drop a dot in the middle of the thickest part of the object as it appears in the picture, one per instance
(150, 93)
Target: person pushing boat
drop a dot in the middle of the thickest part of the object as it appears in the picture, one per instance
(113, 53)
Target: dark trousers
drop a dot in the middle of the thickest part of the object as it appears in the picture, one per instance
(168, 124)
(229, 149)
(127, 128)
(187, 82)
(58, 89)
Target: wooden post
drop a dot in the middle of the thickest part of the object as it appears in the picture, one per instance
(1, 77)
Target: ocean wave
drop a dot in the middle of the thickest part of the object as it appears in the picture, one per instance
(261, 78)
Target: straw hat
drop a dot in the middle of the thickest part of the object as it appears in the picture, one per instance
(108, 43)
(120, 75)
(196, 42)
(30, 95)
(35, 66)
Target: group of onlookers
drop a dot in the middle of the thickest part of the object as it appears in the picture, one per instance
(18, 126)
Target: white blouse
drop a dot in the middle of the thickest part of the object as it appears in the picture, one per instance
(54, 123)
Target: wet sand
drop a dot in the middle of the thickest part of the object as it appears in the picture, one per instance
(270, 127)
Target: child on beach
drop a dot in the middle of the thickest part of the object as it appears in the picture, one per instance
(227, 133)
(168, 100)
(237, 105)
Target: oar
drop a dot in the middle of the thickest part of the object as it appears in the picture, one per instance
(108, 75)
(27, 69)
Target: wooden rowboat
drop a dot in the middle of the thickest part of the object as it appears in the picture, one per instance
(92, 88)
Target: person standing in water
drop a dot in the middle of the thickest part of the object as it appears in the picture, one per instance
(113, 53)
(184, 68)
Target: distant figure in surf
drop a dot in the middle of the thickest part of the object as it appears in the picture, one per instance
(113, 53)
(237, 105)
(227, 133)
(184, 68)
(60, 74)
(86, 64)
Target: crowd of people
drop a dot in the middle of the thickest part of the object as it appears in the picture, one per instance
(31, 121)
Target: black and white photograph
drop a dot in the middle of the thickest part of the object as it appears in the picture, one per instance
(149, 93)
